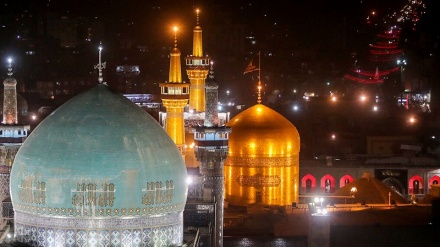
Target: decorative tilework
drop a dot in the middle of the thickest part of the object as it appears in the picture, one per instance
(34, 234)
(261, 161)
(41, 237)
(59, 238)
(81, 238)
(103, 212)
(50, 237)
(126, 238)
(111, 232)
(114, 238)
(92, 238)
(104, 238)
(137, 237)
(70, 238)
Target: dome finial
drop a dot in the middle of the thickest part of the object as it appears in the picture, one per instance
(175, 36)
(100, 66)
(10, 66)
(259, 92)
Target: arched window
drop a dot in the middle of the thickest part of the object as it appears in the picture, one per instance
(327, 184)
(346, 179)
(434, 180)
(308, 184)
(415, 185)
(327, 188)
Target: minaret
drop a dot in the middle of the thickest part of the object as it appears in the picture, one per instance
(197, 70)
(10, 97)
(12, 136)
(174, 94)
(211, 149)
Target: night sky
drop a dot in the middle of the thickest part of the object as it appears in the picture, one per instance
(303, 17)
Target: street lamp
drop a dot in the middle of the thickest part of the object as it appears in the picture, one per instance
(353, 192)
(320, 210)
(401, 63)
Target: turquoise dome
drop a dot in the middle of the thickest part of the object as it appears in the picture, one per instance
(99, 155)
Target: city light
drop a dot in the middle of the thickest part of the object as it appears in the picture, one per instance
(295, 108)
(353, 191)
(401, 62)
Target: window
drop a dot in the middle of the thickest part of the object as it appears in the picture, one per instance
(327, 186)
(308, 186)
(416, 187)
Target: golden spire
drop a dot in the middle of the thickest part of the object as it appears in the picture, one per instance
(259, 79)
(259, 92)
(197, 38)
(175, 75)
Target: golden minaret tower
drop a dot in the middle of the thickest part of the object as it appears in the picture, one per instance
(197, 70)
(174, 94)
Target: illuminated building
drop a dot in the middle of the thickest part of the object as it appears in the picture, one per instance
(211, 150)
(192, 114)
(263, 161)
(198, 67)
(12, 136)
(99, 171)
(175, 98)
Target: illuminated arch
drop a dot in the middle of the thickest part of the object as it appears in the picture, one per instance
(308, 183)
(433, 180)
(328, 183)
(344, 179)
(415, 185)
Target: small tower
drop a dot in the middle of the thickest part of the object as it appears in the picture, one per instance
(12, 136)
(197, 70)
(10, 98)
(174, 95)
(211, 149)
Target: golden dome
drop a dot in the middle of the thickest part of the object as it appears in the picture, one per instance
(263, 161)
(262, 131)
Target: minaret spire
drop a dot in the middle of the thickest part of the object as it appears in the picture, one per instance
(259, 79)
(175, 36)
(197, 70)
(10, 73)
(100, 66)
(174, 94)
(175, 74)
